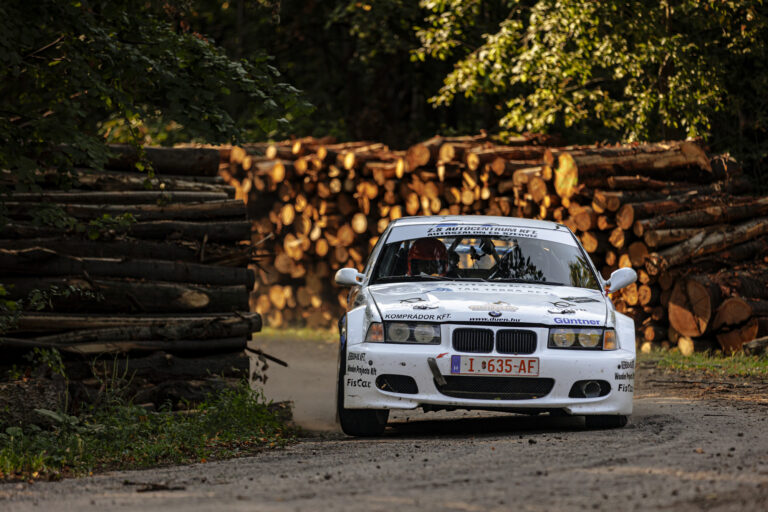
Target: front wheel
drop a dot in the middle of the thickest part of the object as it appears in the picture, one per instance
(606, 421)
(357, 422)
(363, 422)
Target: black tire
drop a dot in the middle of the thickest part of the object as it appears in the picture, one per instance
(606, 421)
(357, 422)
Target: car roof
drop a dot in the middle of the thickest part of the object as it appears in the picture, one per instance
(476, 219)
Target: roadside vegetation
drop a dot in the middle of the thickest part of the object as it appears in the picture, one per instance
(120, 435)
(707, 364)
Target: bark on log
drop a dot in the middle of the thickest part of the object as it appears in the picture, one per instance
(228, 231)
(141, 296)
(707, 243)
(45, 262)
(180, 161)
(173, 346)
(122, 181)
(180, 211)
(136, 333)
(704, 216)
(47, 322)
(122, 198)
(161, 366)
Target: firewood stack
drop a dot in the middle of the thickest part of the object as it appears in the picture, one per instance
(163, 292)
(667, 209)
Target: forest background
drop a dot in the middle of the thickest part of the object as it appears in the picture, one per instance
(79, 73)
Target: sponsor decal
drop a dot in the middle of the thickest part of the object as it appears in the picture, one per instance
(416, 316)
(412, 300)
(624, 376)
(442, 355)
(360, 370)
(356, 356)
(561, 312)
(481, 230)
(358, 383)
(581, 300)
(627, 365)
(501, 320)
(424, 306)
(496, 306)
(439, 290)
(626, 388)
(576, 321)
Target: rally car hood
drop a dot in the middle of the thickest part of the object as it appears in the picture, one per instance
(474, 302)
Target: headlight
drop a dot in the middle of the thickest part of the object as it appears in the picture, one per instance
(398, 332)
(594, 339)
(590, 338)
(401, 332)
(562, 338)
(426, 333)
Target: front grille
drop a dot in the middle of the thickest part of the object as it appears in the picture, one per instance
(496, 388)
(473, 340)
(397, 384)
(515, 341)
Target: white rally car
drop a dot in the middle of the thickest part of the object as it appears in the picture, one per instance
(472, 312)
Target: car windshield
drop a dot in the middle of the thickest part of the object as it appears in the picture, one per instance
(484, 258)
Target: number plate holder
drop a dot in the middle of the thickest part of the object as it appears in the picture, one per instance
(495, 366)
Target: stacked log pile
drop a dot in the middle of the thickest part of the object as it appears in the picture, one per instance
(675, 214)
(149, 274)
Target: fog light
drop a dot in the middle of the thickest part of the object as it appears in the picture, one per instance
(590, 389)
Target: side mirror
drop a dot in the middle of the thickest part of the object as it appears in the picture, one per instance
(621, 278)
(349, 277)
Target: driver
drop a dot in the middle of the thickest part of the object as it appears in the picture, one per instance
(428, 256)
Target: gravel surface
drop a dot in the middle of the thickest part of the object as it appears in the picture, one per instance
(683, 450)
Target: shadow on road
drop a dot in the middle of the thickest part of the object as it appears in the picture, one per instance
(480, 426)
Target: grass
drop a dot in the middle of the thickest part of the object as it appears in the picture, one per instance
(737, 365)
(120, 435)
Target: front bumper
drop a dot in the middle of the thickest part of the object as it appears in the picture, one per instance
(366, 361)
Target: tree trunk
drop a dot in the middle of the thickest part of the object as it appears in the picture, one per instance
(47, 322)
(225, 231)
(692, 304)
(180, 161)
(704, 216)
(45, 262)
(141, 296)
(707, 243)
(121, 198)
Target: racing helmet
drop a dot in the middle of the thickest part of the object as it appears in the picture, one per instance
(427, 255)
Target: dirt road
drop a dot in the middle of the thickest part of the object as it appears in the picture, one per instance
(679, 452)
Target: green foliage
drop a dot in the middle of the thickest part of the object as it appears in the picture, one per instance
(37, 300)
(632, 71)
(49, 358)
(108, 226)
(117, 434)
(71, 69)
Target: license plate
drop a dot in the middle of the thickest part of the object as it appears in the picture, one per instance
(484, 365)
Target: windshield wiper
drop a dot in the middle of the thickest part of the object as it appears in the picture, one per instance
(528, 281)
